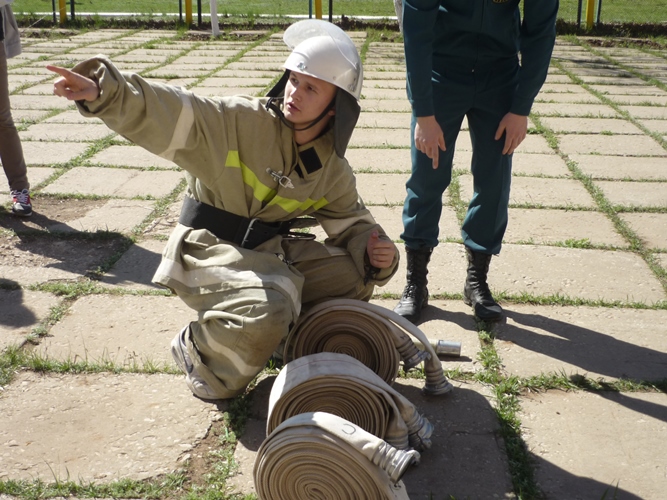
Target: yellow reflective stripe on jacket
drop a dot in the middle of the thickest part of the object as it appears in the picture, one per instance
(265, 193)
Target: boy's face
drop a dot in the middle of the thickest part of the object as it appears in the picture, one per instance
(306, 97)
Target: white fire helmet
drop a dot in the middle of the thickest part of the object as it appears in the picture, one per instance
(323, 50)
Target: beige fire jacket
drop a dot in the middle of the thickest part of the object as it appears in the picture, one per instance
(228, 146)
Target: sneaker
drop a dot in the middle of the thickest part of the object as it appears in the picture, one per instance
(21, 204)
(197, 385)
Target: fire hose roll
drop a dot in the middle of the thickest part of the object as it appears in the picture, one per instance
(318, 455)
(341, 385)
(376, 336)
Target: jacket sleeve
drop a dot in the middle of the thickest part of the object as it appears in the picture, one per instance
(349, 225)
(165, 120)
(538, 35)
(419, 18)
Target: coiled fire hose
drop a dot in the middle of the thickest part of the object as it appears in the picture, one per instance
(318, 455)
(341, 385)
(374, 335)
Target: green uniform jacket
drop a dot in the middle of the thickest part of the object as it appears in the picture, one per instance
(226, 145)
(468, 34)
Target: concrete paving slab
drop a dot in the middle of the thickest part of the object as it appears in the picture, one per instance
(651, 228)
(621, 167)
(376, 138)
(163, 225)
(229, 91)
(648, 112)
(546, 227)
(125, 183)
(562, 88)
(147, 435)
(382, 83)
(538, 192)
(385, 105)
(390, 120)
(382, 189)
(72, 132)
(575, 273)
(605, 343)
(375, 93)
(466, 459)
(610, 80)
(622, 145)
(128, 330)
(20, 312)
(52, 153)
(642, 194)
(643, 89)
(590, 125)
(597, 445)
(380, 160)
(582, 110)
(555, 97)
(40, 102)
(135, 269)
(550, 165)
(27, 116)
(120, 216)
(662, 260)
(130, 156)
(233, 82)
(37, 175)
(543, 270)
(72, 116)
(658, 126)
(644, 100)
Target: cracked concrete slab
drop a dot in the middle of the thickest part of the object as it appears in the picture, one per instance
(123, 183)
(621, 167)
(589, 445)
(147, 435)
(126, 330)
(600, 343)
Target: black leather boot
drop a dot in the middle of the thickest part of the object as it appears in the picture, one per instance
(476, 292)
(415, 294)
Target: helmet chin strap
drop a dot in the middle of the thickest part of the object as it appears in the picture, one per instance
(270, 105)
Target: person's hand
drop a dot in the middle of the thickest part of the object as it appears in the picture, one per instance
(380, 252)
(429, 138)
(73, 86)
(514, 127)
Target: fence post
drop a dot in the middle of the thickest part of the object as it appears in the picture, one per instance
(215, 28)
(71, 3)
(590, 14)
(199, 13)
(318, 9)
(53, 7)
(63, 12)
(599, 9)
(579, 7)
(331, 11)
(188, 13)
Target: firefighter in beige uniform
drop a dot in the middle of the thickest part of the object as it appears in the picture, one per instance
(253, 166)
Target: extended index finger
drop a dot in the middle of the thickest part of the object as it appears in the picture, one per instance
(61, 71)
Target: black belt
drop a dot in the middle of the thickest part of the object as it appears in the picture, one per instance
(245, 232)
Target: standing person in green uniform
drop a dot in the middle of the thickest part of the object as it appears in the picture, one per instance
(462, 60)
(11, 151)
(253, 166)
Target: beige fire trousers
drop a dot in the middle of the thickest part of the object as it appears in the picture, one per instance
(238, 330)
(11, 152)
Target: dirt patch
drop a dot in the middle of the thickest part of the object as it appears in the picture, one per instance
(48, 212)
(29, 242)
